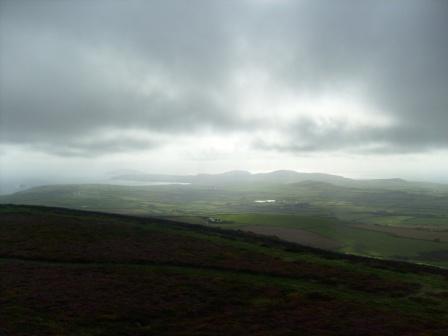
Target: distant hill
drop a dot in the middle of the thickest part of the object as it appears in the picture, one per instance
(278, 177)
(237, 176)
(67, 272)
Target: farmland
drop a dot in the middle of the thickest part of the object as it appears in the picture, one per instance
(383, 219)
(343, 237)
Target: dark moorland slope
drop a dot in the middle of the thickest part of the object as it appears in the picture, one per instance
(69, 272)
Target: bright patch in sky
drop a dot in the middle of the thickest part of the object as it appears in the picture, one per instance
(352, 88)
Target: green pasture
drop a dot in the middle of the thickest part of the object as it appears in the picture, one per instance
(353, 240)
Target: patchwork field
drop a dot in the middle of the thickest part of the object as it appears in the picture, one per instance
(383, 219)
(421, 234)
(331, 233)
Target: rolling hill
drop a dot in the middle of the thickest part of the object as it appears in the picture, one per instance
(278, 177)
(71, 272)
(402, 221)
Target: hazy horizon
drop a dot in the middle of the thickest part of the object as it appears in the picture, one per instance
(350, 88)
(10, 185)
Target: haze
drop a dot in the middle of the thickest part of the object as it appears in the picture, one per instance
(356, 88)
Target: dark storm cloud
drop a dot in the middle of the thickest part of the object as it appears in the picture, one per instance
(74, 69)
(396, 52)
(307, 135)
(69, 69)
(92, 148)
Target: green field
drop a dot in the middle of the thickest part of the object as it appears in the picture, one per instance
(351, 218)
(353, 240)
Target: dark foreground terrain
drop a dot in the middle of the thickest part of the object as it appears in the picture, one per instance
(69, 272)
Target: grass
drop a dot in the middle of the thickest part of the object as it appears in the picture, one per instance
(66, 272)
(353, 240)
(189, 301)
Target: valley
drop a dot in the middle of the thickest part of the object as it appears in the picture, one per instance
(389, 219)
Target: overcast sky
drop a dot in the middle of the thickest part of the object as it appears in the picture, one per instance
(358, 88)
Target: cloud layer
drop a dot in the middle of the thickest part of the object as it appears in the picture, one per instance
(89, 78)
